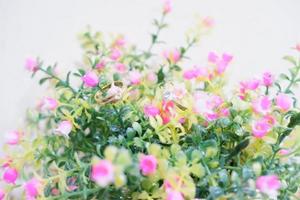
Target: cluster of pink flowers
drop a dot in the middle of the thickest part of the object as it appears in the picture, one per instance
(269, 184)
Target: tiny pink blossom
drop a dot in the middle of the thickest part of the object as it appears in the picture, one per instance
(208, 22)
(174, 195)
(135, 77)
(90, 79)
(115, 54)
(251, 84)
(103, 173)
(167, 6)
(120, 67)
(260, 128)
(148, 164)
(262, 105)
(284, 102)
(120, 41)
(173, 56)
(101, 65)
(64, 128)
(269, 184)
(189, 74)
(10, 175)
(269, 119)
(2, 194)
(31, 65)
(284, 152)
(13, 137)
(298, 47)
(152, 77)
(48, 103)
(151, 110)
(221, 63)
(268, 79)
(32, 188)
(212, 57)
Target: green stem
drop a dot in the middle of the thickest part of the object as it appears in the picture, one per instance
(78, 193)
(293, 80)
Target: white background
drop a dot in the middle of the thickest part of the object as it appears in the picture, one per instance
(257, 32)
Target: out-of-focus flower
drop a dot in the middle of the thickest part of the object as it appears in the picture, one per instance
(120, 67)
(31, 64)
(220, 63)
(268, 79)
(208, 22)
(13, 137)
(32, 188)
(260, 128)
(269, 184)
(152, 78)
(64, 128)
(251, 84)
(115, 54)
(103, 173)
(298, 47)
(173, 56)
(148, 164)
(262, 105)
(101, 65)
(48, 103)
(284, 102)
(135, 77)
(284, 152)
(90, 79)
(174, 195)
(120, 41)
(10, 175)
(2, 194)
(167, 7)
(151, 110)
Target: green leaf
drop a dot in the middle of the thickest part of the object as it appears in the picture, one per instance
(160, 76)
(43, 80)
(68, 78)
(290, 59)
(137, 127)
(284, 77)
(294, 120)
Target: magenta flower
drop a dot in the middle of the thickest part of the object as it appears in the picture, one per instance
(31, 64)
(260, 128)
(10, 175)
(32, 188)
(101, 65)
(251, 84)
(262, 105)
(173, 56)
(103, 173)
(135, 77)
(48, 103)
(269, 184)
(268, 79)
(115, 54)
(284, 152)
(174, 195)
(151, 110)
(13, 137)
(189, 74)
(90, 79)
(167, 7)
(2, 194)
(221, 63)
(148, 164)
(64, 128)
(120, 67)
(284, 102)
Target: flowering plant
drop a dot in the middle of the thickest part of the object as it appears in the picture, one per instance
(140, 125)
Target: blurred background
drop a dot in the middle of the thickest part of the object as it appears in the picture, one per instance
(257, 32)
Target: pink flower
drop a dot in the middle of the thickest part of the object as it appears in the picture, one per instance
(151, 110)
(48, 103)
(189, 74)
(251, 84)
(284, 152)
(298, 47)
(268, 79)
(101, 65)
(152, 77)
(208, 22)
(13, 137)
(173, 56)
(2, 194)
(148, 164)
(174, 195)
(260, 128)
(64, 128)
(196, 72)
(269, 184)
(32, 188)
(269, 119)
(221, 63)
(90, 79)
(31, 65)
(135, 77)
(115, 54)
(284, 102)
(262, 105)
(103, 173)
(10, 175)
(120, 67)
(167, 7)
(120, 41)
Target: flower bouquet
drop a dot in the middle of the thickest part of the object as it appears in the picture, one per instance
(138, 124)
